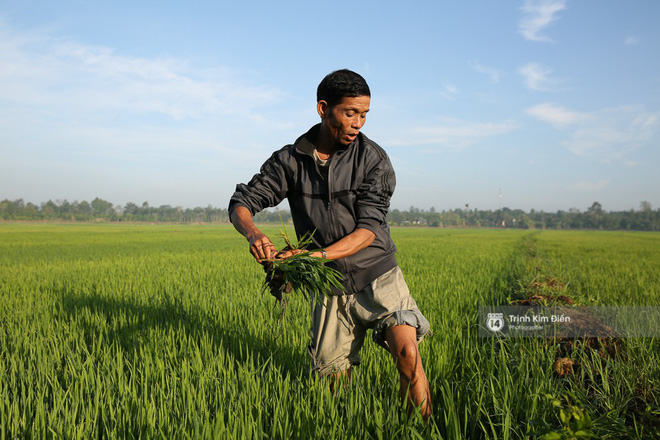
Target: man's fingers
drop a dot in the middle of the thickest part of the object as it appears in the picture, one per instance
(268, 249)
(263, 251)
(255, 253)
(272, 251)
(286, 254)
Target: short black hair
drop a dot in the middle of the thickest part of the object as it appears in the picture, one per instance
(341, 84)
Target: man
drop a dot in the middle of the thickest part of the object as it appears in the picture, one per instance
(338, 183)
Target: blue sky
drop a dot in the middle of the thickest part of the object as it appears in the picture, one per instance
(552, 104)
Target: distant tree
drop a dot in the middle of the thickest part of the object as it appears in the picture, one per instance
(63, 207)
(593, 219)
(395, 216)
(595, 208)
(49, 210)
(131, 209)
(31, 211)
(645, 206)
(84, 208)
(82, 211)
(101, 208)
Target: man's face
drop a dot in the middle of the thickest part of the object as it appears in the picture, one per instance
(344, 121)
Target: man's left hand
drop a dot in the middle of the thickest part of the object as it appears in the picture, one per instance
(284, 254)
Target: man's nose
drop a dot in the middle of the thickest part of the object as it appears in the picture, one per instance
(358, 122)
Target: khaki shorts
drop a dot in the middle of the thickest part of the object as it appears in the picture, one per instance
(340, 323)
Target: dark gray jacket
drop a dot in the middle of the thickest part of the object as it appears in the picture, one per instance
(355, 194)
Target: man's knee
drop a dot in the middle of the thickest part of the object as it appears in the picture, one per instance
(407, 358)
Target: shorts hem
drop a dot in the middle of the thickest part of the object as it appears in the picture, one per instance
(338, 367)
(413, 318)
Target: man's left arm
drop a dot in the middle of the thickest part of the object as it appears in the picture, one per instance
(349, 245)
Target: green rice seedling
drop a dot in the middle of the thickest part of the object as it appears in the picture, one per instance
(301, 272)
(159, 331)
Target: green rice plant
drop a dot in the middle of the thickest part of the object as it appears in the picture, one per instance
(158, 331)
(300, 272)
(576, 423)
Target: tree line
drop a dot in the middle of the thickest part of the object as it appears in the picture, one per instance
(103, 210)
(594, 217)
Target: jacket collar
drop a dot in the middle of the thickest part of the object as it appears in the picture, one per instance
(305, 143)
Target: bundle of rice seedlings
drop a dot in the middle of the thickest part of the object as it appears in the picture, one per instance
(301, 272)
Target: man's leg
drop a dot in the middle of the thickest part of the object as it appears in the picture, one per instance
(335, 340)
(342, 378)
(402, 342)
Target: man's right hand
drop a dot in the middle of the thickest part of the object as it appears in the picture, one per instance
(262, 248)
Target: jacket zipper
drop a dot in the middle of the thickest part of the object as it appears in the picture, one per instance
(331, 213)
(333, 225)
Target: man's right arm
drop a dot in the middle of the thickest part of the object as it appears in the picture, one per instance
(261, 247)
(265, 189)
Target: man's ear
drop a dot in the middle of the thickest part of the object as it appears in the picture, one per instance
(322, 108)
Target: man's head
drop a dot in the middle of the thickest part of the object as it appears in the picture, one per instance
(341, 84)
(343, 100)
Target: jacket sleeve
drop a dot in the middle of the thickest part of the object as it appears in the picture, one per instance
(374, 193)
(264, 190)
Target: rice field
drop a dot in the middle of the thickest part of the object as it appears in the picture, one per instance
(161, 331)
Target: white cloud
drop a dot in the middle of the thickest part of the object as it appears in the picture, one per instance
(450, 133)
(491, 72)
(449, 90)
(591, 186)
(536, 77)
(604, 135)
(538, 15)
(631, 40)
(67, 77)
(556, 115)
(77, 119)
(613, 133)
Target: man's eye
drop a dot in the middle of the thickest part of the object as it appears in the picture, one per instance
(350, 114)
